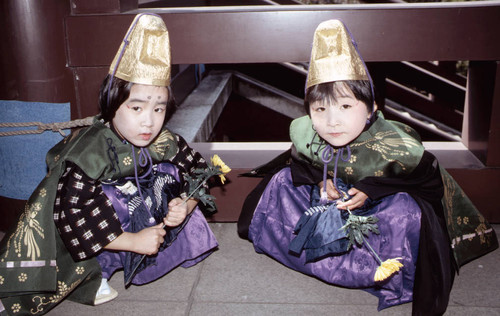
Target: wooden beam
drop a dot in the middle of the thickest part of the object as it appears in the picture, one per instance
(384, 32)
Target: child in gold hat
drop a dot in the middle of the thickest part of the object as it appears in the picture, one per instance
(357, 201)
(110, 191)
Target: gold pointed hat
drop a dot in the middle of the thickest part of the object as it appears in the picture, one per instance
(334, 56)
(144, 55)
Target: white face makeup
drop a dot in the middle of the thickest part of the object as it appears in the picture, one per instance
(341, 121)
(140, 118)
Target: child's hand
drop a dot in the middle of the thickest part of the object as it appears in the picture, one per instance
(357, 200)
(148, 240)
(330, 190)
(177, 212)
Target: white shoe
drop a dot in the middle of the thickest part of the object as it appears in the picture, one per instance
(105, 293)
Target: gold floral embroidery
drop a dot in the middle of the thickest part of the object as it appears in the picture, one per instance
(127, 161)
(22, 277)
(459, 220)
(379, 173)
(80, 270)
(16, 308)
(56, 158)
(62, 291)
(349, 170)
(2, 279)
(353, 159)
(160, 145)
(466, 220)
(43, 192)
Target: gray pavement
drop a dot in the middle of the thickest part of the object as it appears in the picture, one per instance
(235, 280)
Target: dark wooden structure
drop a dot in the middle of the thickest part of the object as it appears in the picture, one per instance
(59, 51)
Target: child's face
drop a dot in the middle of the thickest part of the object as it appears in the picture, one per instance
(140, 118)
(341, 121)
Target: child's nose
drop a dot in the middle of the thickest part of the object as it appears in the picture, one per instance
(147, 119)
(333, 118)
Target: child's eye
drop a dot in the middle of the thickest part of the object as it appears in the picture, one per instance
(346, 106)
(160, 110)
(319, 109)
(136, 108)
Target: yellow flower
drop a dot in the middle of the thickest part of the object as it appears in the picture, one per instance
(217, 162)
(387, 268)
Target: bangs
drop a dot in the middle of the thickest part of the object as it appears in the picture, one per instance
(329, 92)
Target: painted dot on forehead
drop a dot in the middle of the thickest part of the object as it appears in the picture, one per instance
(149, 97)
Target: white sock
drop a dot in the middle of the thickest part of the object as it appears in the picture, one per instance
(104, 288)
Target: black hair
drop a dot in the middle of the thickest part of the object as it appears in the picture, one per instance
(119, 92)
(361, 89)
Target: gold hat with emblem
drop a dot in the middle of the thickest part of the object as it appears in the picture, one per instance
(144, 55)
(334, 55)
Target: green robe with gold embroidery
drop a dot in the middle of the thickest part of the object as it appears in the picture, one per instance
(36, 270)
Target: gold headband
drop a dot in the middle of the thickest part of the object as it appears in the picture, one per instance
(144, 55)
(334, 56)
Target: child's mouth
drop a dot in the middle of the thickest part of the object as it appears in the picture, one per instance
(145, 136)
(336, 134)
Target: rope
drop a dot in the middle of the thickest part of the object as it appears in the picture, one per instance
(42, 127)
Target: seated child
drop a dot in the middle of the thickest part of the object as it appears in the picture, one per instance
(349, 166)
(110, 191)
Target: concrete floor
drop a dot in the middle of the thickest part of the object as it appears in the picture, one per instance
(235, 280)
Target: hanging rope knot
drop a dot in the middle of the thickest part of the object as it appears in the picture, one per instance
(42, 127)
(50, 126)
(144, 160)
(144, 157)
(327, 157)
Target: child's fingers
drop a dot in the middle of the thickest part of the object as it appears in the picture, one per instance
(174, 202)
(353, 191)
(331, 192)
(174, 219)
(356, 201)
(170, 222)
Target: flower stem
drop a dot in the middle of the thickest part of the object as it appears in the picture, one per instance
(196, 189)
(371, 250)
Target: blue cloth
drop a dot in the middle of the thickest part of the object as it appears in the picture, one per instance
(319, 230)
(23, 156)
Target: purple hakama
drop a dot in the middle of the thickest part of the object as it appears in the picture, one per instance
(281, 206)
(193, 243)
